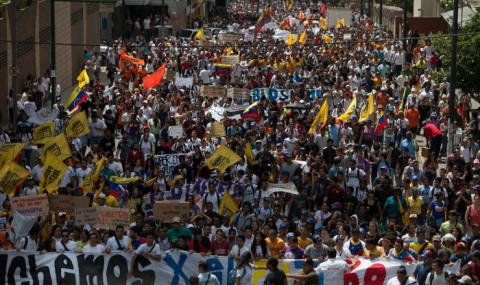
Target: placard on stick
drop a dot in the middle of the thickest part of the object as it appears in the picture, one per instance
(68, 204)
(166, 210)
(86, 216)
(218, 129)
(238, 93)
(110, 218)
(175, 131)
(34, 205)
(232, 59)
(229, 38)
(212, 91)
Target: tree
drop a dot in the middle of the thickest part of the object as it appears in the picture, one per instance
(468, 59)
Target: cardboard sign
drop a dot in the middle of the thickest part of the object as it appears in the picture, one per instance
(68, 204)
(167, 210)
(206, 43)
(271, 26)
(212, 91)
(168, 74)
(249, 37)
(179, 81)
(282, 187)
(34, 205)
(85, 216)
(229, 38)
(238, 93)
(175, 131)
(347, 37)
(110, 218)
(232, 59)
(218, 129)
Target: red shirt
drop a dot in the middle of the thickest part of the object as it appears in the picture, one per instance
(431, 131)
(221, 249)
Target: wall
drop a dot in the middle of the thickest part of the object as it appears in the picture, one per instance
(431, 25)
(75, 23)
(389, 14)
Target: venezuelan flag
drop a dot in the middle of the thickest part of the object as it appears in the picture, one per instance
(223, 68)
(251, 112)
(77, 97)
(381, 124)
(260, 23)
(285, 24)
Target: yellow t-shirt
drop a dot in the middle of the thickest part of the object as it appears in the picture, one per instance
(303, 243)
(377, 252)
(415, 206)
(276, 246)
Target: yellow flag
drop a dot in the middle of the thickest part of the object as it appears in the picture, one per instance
(222, 158)
(340, 23)
(322, 117)
(229, 51)
(200, 35)
(43, 133)
(58, 146)
(53, 170)
(303, 38)
(289, 4)
(83, 78)
(350, 110)
(291, 40)
(149, 183)
(87, 183)
(327, 38)
(12, 175)
(9, 151)
(249, 153)
(228, 206)
(368, 109)
(78, 126)
(324, 23)
(122, 180)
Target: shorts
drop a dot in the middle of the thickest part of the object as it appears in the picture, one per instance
(414, 130)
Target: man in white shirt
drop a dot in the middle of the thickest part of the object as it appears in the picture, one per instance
(113, 165)
(97, 127)
(205, 76)
(150, 249)
(118, 241)
(147, 111)
(37, 170)
(93, 247)
(29, 242)
(82, 171)
(67, 178)
(66, 244)
(333, 269)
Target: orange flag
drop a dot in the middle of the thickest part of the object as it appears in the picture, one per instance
(122, 52)
(133, 60)
(300, 15)
(154, 78)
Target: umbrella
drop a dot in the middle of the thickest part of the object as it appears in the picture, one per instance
(236, 109)
(296, 106)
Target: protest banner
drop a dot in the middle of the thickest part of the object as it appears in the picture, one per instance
(229, 38)
(180, 81)
(271, 26)
(44, 115)
(179, 193)
(238, 93)
(282, 187)
(249, 37)
(216, 111)
(218, 129)
(232, 59)
(212, 90)
(168, 162)
(53, 170)
(43, 133)
(68, 204)
(9, 151)
(149, 202)
(33, 205)
(58, 146)
(168, 74)
(175, 268)
(274, 94)
(166, 210)
(85, 216)
(78, 125)
(175, 131)
(110, 218)
(222, 158)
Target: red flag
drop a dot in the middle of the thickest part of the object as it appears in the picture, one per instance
(323, 10)
(154, 78)
(122, 52)
(317, 40)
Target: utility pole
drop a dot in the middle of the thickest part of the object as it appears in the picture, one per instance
(453, 78)
(124, 18)
(14, 59)
(53, 65)
(405, 26)
(381, 13)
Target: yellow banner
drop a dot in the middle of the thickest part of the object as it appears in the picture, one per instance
(58, 146)
(228, 206)
(9, 151)
(83, 78)
(53, 170)
(350, 110)
(78, 126)
(368, 109)
(222, 158)
(43, 133)
(249, 153)
(122, 180)
(88, 182)
(12, 175)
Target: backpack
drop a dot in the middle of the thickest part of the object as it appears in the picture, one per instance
(232, 276)
(218, 198)
(432, 273)
(26, 242)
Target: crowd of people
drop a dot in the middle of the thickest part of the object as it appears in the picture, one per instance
(364, 189)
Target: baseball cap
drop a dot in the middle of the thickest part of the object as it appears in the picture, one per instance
(476, 176)
(413, 216)
(64, 214)
(283, 226)
(475, 187)
(266, 199)
(337, 205)
(460, 244)
(260, 217)
(103, 196)
(290, 235)
(304, 212)
(414, 178)
(296, 177)
(190, 226)
(309, 221)
(226, 216)
(253, 124)
(288, 155)
(176, 220)
(383, 167)
(318, 229)
(427, 253)
(279, 144)
(316, 239)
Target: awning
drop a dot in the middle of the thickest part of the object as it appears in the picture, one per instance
(464, 15)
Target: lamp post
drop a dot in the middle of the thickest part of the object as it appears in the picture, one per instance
(453, 78)
(53, 64)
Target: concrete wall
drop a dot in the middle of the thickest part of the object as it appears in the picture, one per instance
(34, 53)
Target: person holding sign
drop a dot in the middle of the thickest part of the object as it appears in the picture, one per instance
(150, 249)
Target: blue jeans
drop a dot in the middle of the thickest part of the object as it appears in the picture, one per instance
(388, 140)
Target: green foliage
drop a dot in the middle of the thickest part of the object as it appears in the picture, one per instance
(4, 1)
(468, 58)
(22, 5)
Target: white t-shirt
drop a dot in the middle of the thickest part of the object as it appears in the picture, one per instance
(333, 270)
(31, 244)
(212, 279)
(246, 274)
(235, 252)
(67, 177)
(81, 174)
(353, 178)
(113, 245)
(394, 281)
(437, 279)
(214, 199)
(146, 248)
(93, 249)
(71, 246)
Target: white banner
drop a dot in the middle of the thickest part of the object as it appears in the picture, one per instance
(282, 187)
(44, 115)
(180, 81)
(168, 162)
(175, 268)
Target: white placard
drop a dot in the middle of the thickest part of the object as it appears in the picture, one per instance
(249, 37)
(180, 81)
(347, 37)
(22, 224)
(175, 131)
(282, 187)
(271, 26)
